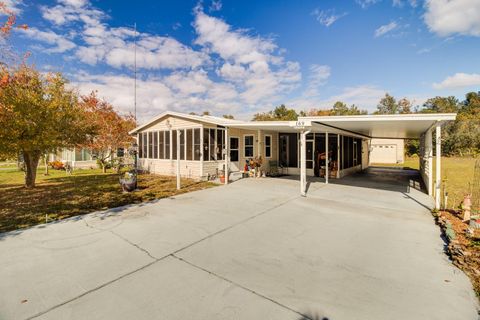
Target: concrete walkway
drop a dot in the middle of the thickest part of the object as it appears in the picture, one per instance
(363, 248)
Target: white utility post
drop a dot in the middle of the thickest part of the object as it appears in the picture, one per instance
(227, 154)
(303, 162)
(178, 160)
(438, 155)
(326, 157)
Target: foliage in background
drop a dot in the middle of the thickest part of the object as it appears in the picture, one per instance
(111, 129)
(38, 115)
(281, 113)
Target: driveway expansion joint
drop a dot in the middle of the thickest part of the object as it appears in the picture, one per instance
(304, 316)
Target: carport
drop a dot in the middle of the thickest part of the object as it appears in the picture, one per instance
(398, 126)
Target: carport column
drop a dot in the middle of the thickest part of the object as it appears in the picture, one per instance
(326, 157)
(438, 155)
(303, 163)
(178, 159)
(227, 154)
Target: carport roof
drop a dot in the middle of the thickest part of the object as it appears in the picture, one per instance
(402, 126)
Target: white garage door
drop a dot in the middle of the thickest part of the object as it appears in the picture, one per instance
(383, 153)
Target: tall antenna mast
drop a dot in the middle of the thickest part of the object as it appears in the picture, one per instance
(135, 71)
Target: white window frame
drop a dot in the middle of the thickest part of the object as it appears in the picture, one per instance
(265, 145)
(253, 145)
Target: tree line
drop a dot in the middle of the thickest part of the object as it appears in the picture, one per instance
(460, 137)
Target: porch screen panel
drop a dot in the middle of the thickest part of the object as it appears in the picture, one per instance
(174, 144)
(189, 144)
(161, 144)
(206, 144)
(196, 144)
(167, 144)
(288, 149)
(150, 145)
(182, 144)
(155, 145)
(145, 145)
(212, 144)
(140, 145)
(220, 143)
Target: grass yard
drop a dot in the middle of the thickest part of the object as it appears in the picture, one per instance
(61, 196)
(457, 176)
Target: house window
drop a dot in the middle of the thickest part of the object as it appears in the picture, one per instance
(233, 149)
(189, 144)
(150, 145)
(268, 146)
(220, 144)
(167, 144)
(182, 144)
(155, 145)
(161, 144)
(248, 146)
(196, 144)
(174, 144)
(212, 144)
(140, 145)
(145, 145)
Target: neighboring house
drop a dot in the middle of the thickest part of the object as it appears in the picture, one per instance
(387, 151)
(77, 157)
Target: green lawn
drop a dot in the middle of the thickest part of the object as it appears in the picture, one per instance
(457, 176)
(60, 195)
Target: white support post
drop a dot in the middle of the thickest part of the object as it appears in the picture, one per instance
(429, 154)
(338, 156)
(326, 157)
(227, 154)
(438, 155)
(303, 163)
(178, 160)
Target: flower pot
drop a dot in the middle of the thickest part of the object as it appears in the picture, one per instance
(222, 179)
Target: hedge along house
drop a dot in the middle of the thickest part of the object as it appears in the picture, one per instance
(332, 147)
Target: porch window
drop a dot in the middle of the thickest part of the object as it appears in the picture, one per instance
(150, 145)
(182, 144)
(174, 144)
(248, 146)
(167, 144)
(155, 145)
(189, 144)
(196, 144)
(145, 145)
(206, 151)
(268, 146)
(161, 144)
(212, 144)
(220, 144)
(140, 145)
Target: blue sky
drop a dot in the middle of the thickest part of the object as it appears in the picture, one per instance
(243, 57)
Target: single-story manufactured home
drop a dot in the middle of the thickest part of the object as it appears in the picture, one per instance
(200, 147)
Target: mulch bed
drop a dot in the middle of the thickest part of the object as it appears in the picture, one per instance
(463, 250)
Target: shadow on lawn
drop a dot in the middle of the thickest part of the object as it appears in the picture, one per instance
(59, 198)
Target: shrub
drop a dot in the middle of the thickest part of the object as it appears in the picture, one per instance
(57, 165)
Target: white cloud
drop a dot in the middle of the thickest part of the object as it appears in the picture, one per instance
(401, 3)
(14, 6)
(366, 3)
(72, 10)
(448, 17)
(216, 5)
(59, 43)
(318, 77)
(252, 62)
(327, 17)
(459, 80)
(382, 30)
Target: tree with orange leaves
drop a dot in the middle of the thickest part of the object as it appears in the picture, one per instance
(39, 114)
(111, 128)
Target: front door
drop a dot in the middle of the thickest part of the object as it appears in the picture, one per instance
(234, 164)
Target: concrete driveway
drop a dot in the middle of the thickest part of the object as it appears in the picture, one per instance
(366, 248)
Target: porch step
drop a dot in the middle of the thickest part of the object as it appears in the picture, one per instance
(236, 175)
